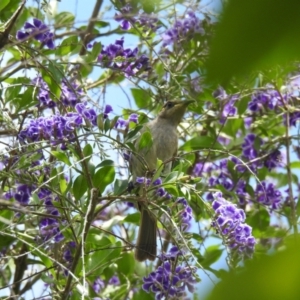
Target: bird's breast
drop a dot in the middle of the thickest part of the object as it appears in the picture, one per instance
(165, 140)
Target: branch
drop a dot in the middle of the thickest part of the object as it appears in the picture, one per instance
(88, 33)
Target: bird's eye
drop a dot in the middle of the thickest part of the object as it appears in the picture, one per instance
(169, 104)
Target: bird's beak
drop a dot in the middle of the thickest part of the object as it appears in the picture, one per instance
(188, 102)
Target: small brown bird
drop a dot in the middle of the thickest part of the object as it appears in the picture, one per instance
(163, 130)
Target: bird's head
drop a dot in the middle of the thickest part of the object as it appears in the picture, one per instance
(173, 111)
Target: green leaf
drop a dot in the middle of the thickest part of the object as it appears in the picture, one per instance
(79, 187)
(133, 218)
(64, 18)
(67, 46)
(87, 151)
(105, 163)
(145, 140)
(250, 37)
(232, 126)
(54, 178)
(259, 220)
(6, 217)
(132, 134)
(104, 177)
(53, 76)
(295, 165)
(248, 280)
(201, 142)
(120, 186)
(211, 255)
(126, 264)
(172, 177)
(61, 156)
(96, 50)
(141, 97)
(104, 252)
(3, 3)
(63, 185)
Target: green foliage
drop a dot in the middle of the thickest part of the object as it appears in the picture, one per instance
(262, 279)
(250, 36)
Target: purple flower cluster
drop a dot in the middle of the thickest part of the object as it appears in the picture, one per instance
(49, 227)
(68, 256)
(266, 99)
(267, 194)
(58, 128)
(274, 160)
(126, 17)
(272, 99)
(107, 109)
(227, 104)
(114, 56)
(217, 173)
(292, 119)
(160, 191)
(250, 149)
(71, 93)
(185, 213)
(21, 194)
(170, 281)
(121, 123)
(39, 31)
(43, 92)
(86, 112)
(99, 284)
(229, 221)
(183, 29)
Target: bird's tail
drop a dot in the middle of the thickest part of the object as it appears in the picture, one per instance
(146, 241)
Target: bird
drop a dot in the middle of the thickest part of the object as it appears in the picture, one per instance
(143, 162)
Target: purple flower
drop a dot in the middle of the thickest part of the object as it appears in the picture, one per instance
(23, 194)
(114, 56)
(86, 112)
(143, 180)
(157, 181)
(114, 280)
(127, 18)
(185, 213)
(174, 252)
(43, 92)
(121, 123)
(49, 229)
(241, 192)
(133, 118)
(98, 285)
(266, 99)
(126, 156)
(182, 29)
(169, 280)
(273, 160)
(229, 221)
(55, 128)
(107, 109)
(292, 120)
(267, 194)
(250, 148)
(71, 93)
(39, 31)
